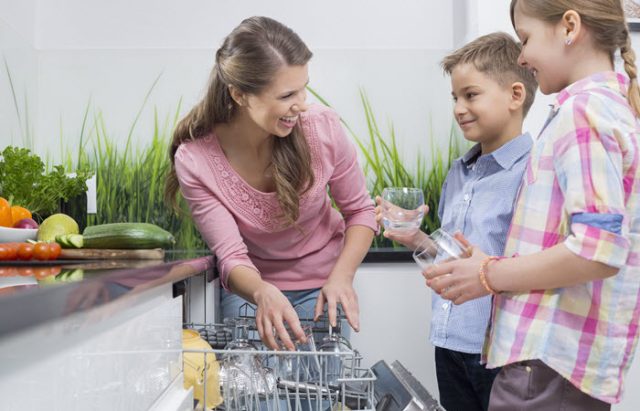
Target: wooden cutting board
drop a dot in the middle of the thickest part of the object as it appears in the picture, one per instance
(111, 254)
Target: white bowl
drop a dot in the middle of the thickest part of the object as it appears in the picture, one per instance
(17, 235)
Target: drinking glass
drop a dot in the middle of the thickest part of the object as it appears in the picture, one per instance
(402, 208)
(300, 367)
(332, 365)
(240, 371)
(438, 247)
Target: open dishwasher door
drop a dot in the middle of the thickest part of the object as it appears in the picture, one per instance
(396, 389)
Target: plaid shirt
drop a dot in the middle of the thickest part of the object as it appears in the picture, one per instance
(580, 189)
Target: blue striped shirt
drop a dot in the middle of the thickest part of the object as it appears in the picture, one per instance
(478, 198)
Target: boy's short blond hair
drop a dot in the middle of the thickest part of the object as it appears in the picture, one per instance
(495, 55)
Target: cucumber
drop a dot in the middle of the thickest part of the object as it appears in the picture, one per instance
(126, 236)
(75, 240)
(69, 240)
(62, 240)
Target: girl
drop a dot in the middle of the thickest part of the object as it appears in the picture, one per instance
(254, 161)
(566, 306)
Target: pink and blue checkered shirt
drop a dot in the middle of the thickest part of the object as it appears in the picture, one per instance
(580, 189)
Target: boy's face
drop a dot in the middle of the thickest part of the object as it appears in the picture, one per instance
(483, 108)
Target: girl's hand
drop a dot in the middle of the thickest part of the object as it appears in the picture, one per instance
(459, 280)
(274, 309)
(339, 289)
(411, 239)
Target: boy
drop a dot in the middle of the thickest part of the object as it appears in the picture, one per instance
(492, 95)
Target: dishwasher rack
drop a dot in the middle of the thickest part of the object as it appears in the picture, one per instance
(249, 377)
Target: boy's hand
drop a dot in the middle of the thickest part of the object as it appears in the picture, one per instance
(410, 239)
(468, 247)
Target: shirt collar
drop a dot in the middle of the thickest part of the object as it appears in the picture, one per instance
(617, 82)
(506, 155)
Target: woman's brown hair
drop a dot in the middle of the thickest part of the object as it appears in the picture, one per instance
(607, 24)
(247, 60)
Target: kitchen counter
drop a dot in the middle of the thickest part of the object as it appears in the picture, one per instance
(33, 290)
(42, 292)
(100, 335)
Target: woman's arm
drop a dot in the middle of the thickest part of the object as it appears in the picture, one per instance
(339, 285)
(349, 191)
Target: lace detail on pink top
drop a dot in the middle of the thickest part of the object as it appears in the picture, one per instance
(261, 208)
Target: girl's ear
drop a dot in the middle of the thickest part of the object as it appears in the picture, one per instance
(571, 24)
(518, 95)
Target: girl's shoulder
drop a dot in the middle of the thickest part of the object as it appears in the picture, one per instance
(598, 109)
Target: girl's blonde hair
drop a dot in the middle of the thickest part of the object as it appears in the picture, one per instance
(607, 24)
(248, 59)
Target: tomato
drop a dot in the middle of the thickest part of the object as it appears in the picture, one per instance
(13, 250)
(8, 251)
(55, 270)
(8, 271)
(41, 251)
(25, 271)
(54, 251)
(41, 272)
(18, 213)
(5, 213)
(25, 251)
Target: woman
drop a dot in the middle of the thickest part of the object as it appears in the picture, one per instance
(254, 161)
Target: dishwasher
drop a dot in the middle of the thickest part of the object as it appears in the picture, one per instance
(238, 372)
(230, 368)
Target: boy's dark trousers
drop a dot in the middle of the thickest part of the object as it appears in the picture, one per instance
(463, 383)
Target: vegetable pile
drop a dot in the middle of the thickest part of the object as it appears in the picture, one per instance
(25, 182)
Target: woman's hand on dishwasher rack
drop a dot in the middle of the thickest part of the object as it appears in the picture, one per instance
(338, 290)
(274, 309)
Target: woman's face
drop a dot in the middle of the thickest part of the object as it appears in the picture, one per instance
(277, 108)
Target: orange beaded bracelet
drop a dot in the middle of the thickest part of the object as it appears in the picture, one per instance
(482, 273)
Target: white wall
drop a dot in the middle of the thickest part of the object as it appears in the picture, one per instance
(16, 49)
(112, 52)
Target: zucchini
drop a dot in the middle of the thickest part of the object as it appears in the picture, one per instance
(127, 236)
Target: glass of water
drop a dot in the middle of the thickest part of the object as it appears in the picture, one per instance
(402, 208)
(438, 247)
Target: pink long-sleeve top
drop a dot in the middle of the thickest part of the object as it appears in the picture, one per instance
(240, 224)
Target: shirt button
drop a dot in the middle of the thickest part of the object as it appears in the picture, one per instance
(445, 306)
(466, 197)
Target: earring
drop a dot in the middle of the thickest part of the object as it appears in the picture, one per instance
(568, 41)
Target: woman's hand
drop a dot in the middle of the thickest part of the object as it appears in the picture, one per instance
(458, 280)
(411, 239)
(274, 309)
(339, 289)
